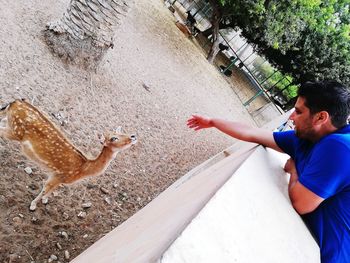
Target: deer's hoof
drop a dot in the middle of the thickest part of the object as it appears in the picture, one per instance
(32, 207)
(44, 200)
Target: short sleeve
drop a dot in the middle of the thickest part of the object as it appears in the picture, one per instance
(286, 141)
(327, 171)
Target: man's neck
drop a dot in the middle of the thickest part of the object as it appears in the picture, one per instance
(324, 131)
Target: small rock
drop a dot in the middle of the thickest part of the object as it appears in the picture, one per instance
(104, 190)
(146, 87)
(52, 258)
(35, 220)
(85, 236)
(21, 216)
(13, 258)
(86, 205)
(45, 201)
(17, 220)
(108, 200)
(33, 187)
(90, 186)
(58, 245)
(65, 216)
(115, 185)
(57, 116)
(66, 254)
(28, 170)
(82, 214)
(64, 234)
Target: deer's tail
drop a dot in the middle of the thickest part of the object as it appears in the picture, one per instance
(3, 109)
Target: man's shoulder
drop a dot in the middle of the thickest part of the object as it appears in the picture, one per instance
(341, 136)
(335, 142)
(285, 134)
(286, 141)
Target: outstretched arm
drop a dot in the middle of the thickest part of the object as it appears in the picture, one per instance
(235, 129)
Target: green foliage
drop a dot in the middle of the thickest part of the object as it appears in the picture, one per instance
(291, 92)
(306, 39)
(276, 81)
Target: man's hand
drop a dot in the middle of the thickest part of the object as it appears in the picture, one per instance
(198, 122)
(290, 168)
(303, 200)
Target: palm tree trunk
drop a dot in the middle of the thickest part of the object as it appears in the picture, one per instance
(86, 30)
(215, 20)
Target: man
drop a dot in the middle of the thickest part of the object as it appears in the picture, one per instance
(319, 147)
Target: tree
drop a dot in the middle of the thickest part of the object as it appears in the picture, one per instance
(323, 50)
(86, 30)
(215, 19)
(277, 23)
(308, 39)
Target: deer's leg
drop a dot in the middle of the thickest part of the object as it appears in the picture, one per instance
(3, 130)
(51, 184)
(3, 122)
(27, 149)
(3, 112)
(6, 133)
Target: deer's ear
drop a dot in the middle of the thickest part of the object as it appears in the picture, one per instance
(119, 129)
(101, 138)
(106, 136)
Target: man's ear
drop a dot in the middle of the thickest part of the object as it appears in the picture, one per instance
(321, 117)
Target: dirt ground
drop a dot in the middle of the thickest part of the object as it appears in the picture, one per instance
(150, 83)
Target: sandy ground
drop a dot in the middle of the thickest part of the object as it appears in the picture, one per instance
(150, 50)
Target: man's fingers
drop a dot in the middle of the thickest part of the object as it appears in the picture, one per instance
(195, 127)
(192, 119)
(192, 122)
(289, 166)
(191, 125)
(195, 122)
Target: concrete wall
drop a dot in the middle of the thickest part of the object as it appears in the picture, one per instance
(250, 219)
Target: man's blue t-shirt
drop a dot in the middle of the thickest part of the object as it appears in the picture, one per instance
(324, 169)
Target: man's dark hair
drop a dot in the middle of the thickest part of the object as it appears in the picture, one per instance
(330, 96)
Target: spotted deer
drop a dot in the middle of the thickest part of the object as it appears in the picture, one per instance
(46, 145)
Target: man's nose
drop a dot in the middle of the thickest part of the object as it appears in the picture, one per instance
(291, 117)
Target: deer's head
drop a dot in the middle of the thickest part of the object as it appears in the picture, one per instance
(118, 141)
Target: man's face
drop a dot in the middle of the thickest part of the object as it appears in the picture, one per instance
(303, 121)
